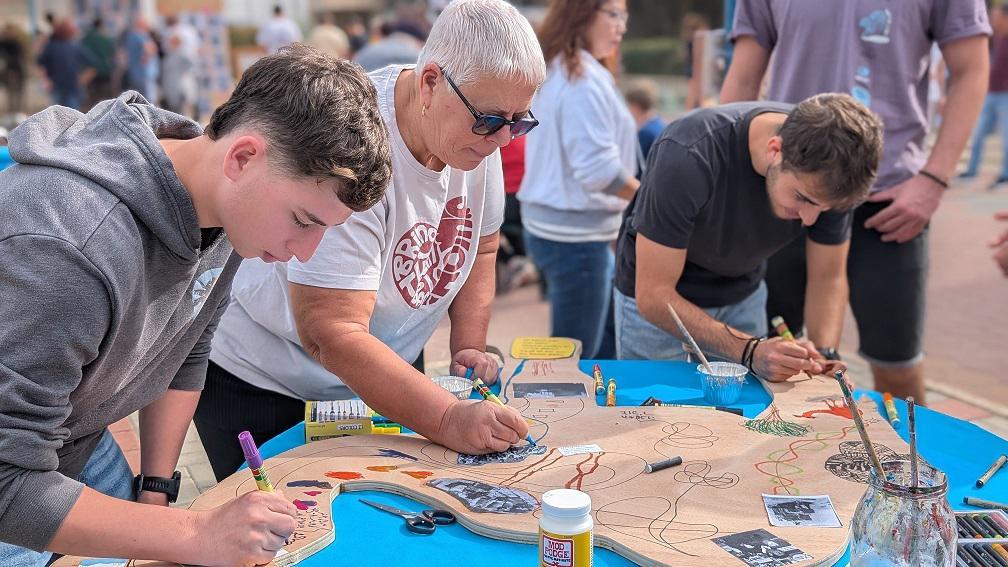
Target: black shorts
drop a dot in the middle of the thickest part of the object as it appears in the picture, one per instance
(888, 289)
(888, 286)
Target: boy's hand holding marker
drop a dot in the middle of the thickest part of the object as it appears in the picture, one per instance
(249, 530)
(253, 528)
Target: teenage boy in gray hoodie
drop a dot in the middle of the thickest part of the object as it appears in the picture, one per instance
(116, 235)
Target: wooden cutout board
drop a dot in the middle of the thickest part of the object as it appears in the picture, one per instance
(804, 443)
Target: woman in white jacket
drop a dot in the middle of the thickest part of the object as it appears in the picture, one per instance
(579, 168)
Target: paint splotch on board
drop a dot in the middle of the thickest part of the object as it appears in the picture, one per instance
(489, 498)
(382, 468)
(310, 484)
(344, 475)
(313, 492)
(395, 454)
(304, 504)
(419, 475)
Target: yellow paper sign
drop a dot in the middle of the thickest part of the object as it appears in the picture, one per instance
(542, 348)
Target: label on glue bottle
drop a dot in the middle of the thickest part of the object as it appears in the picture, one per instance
(557, 550)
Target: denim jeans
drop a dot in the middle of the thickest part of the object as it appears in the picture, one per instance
(993, 115)
(68, 99)
(638, 339)
(579, 283)
(107, 472)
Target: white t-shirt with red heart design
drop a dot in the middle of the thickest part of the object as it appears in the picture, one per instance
(416, 248)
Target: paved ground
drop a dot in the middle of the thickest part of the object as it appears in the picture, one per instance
(966, 337)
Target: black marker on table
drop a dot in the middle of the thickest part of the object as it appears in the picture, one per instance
(655, 467)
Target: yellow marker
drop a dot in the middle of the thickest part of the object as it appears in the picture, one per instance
(610, 397)
(781, 328)
(599, 385)
(482, 389)
(890, 409)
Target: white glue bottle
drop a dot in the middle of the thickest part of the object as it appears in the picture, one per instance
(565, 529)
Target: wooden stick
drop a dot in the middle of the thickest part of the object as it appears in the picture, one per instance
(869, 448)
(689, 338)
(912, 427)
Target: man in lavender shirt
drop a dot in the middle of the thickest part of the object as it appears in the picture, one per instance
(878, 51)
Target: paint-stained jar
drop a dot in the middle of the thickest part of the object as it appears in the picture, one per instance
(897, 523)
(565, 529)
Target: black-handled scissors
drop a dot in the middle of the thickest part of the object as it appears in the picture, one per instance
(423, 523)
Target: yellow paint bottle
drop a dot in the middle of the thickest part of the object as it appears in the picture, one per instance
(565, 529)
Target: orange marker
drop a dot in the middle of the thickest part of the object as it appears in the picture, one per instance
(890, 409)
(610, 397)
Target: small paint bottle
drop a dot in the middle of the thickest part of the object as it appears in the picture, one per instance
(565, 529)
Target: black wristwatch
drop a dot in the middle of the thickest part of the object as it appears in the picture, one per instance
(169, 486)
(829, 353)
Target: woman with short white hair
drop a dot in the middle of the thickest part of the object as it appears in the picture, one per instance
(360, 311)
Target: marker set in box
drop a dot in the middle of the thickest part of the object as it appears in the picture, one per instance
(325, 420)
(983, 538)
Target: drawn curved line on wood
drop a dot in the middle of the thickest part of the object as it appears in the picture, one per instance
(775, 458)
(579, 478)
(676, 431)
(507, 383)
(614, 520)
(696, 473)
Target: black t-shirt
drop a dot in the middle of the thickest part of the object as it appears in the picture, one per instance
(701, 193)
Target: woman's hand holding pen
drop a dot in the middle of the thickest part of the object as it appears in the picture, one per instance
(476, 427)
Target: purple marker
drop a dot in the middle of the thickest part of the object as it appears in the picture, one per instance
(254, 461)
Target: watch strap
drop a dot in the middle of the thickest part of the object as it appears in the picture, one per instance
(169, 486)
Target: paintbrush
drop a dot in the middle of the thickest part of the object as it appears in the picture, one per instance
(689, 338)
(869, 448)
(912, 428)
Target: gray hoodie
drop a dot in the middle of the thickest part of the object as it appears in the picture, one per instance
(106, 299)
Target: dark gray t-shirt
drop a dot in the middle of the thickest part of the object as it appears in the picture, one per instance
(701, 193)
(876, 50)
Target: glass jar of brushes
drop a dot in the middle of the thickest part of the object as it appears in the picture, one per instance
(904, 519)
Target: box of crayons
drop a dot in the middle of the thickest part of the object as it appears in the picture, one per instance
(983, 538)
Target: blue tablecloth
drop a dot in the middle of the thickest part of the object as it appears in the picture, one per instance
(961, 449)
(5, 158)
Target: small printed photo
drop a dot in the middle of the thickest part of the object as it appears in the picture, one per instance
(760, 548)
(801, 511)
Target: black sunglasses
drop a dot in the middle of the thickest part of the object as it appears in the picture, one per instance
(487, 124)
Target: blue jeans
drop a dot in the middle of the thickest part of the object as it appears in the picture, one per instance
(579, 283)
(68, 99)
(637, 338)
(107, 472)
(993, 115)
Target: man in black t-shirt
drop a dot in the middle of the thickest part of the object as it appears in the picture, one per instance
(724, 189)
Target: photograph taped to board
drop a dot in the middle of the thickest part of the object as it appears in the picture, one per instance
(549, 390)
(760, 548)
(801, 511)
